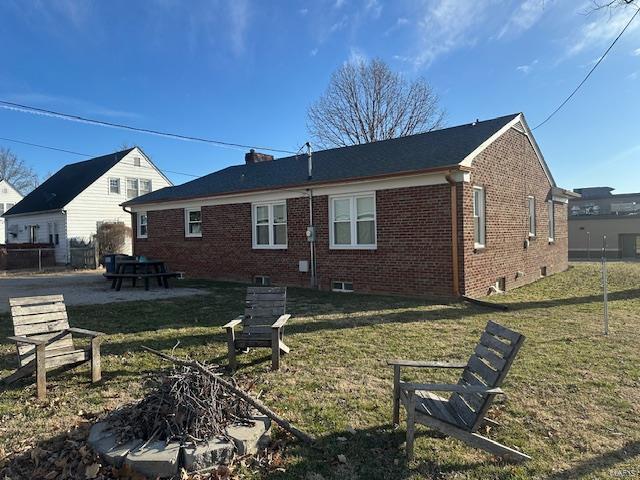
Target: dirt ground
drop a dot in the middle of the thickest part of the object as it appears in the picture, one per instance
(83, 288)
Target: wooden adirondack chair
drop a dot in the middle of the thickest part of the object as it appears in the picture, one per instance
(262, 324)
(464, 411)
(44, 340)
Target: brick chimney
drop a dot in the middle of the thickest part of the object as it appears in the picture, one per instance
(256, 157)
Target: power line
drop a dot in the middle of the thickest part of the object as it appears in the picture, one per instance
(22, 142)
(588, 74)
(77, 118)
(48, 148)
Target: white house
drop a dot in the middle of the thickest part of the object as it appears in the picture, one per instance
(73, 202)
(9, 196)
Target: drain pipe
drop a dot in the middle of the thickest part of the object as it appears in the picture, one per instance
(311, 230)
(454, 234)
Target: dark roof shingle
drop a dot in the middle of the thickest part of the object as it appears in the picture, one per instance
(431, 150)
(66, 184)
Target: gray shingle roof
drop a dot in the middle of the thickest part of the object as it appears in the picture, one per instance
(66, 184)
(432, 150)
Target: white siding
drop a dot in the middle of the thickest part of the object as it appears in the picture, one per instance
(96, 203)
(8, 195)
(46, 224)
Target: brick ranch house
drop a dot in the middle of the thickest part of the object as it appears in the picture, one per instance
(381, 215)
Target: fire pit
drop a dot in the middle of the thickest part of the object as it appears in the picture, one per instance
(188, 420)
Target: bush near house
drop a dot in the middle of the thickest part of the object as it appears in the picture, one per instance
(111, 237)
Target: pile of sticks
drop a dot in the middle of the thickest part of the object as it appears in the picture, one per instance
(185, 406)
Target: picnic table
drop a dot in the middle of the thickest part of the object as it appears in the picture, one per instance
(135, 269)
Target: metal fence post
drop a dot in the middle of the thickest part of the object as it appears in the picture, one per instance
(39, 259)
(605, 292)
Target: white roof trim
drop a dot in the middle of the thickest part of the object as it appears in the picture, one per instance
(519, 118)
(356, 186)
(139, 150)
(8, 184)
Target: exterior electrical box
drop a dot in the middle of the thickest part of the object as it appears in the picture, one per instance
(311, 233)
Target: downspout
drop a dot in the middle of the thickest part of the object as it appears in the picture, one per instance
(134, 229)
(311, 233)
(454, 234)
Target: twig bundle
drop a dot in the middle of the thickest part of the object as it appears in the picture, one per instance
(185, 406)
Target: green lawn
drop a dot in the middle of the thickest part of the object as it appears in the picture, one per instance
(572, 403)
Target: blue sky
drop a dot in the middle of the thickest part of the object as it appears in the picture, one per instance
(245, 71)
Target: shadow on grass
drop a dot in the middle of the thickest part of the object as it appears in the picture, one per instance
(374, 453)
(629, 451)
(630, 294)
(226, 302)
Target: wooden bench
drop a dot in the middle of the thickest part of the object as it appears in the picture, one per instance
(162, 277)
(462, 414)
(44, 340)
(262, 324)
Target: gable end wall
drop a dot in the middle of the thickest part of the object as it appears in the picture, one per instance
(510, 171)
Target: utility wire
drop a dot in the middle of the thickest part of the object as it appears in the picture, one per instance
(30, 109)
(47, 147)
(588, 74)
(22, 142)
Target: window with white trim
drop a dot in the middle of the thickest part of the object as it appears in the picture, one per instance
(114, 186)
(353, 221)
(341, 286)
(552, 222)
(479, 222)
(270, 225)
(137, 187)
(192, 222)
(145, 186)
(142, 224)
(132, 188)
(531, 209)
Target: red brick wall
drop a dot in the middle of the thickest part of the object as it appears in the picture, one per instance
(412, 256)
(510, 171)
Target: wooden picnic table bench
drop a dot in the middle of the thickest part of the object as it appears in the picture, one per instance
(140, 270)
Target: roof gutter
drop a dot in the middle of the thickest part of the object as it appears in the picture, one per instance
(25, 214)
(455, 272)
(446, 169)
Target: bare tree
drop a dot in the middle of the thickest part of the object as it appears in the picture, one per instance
(599, 4)
(16, 172)
(366, 101)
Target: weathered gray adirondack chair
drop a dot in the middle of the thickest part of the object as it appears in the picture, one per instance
(262, 324)
(44, 340)
(464, 411)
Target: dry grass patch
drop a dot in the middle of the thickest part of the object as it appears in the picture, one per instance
(572, 395)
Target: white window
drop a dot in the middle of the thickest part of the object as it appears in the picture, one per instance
(145, 186)
(142, 224)
(132, 188)
(340, 286)
(2, 208)
(270, 225)
(531, 208)
(114, 186)
(552, 222)
(193, 222)
(137, 187)
(353, 221)
(136, 161)
(479, 223)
